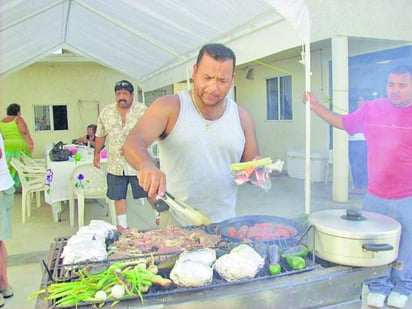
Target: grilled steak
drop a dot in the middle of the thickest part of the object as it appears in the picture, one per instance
(166, 241)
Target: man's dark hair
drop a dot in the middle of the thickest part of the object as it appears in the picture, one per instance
(124, 84)
(218, 52)
(401, 69)
(13, 109)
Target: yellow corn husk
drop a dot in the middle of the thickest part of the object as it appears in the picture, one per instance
(255, 163)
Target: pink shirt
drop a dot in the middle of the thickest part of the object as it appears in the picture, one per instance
(388, 133)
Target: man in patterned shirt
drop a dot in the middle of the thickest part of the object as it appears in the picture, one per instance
(114, 123)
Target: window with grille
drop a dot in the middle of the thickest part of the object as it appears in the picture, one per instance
(279, 98)
(50, 117)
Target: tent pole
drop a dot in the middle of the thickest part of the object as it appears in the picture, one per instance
(307, 129)
(297, 14)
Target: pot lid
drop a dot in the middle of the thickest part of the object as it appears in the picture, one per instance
(353, 223)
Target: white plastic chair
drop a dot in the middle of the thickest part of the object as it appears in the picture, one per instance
(32, 162)
(32, 179)
(88, 182)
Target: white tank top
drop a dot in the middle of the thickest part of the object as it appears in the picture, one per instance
(196, 158)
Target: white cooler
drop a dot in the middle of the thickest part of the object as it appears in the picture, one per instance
(296, 165)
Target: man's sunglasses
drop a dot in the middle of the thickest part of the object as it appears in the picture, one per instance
(123, 85)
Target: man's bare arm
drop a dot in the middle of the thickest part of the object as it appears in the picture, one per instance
(251, 150)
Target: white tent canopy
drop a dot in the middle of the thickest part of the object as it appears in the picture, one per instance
(153, 41)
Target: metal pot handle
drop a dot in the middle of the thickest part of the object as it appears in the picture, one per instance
(377, 247)
(353, 214)
(304, 233)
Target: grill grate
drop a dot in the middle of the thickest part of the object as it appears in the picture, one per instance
(58, 273)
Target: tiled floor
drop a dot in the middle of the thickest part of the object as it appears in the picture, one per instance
(31, 241)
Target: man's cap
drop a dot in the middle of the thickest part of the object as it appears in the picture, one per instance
(123, 84)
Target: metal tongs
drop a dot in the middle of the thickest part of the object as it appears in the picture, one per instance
(160, 202)
(185, 214)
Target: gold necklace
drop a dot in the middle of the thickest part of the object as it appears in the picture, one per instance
(207, 121)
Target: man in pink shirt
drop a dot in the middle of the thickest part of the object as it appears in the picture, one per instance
(387, 126)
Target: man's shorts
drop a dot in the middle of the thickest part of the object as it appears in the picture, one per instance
(117, 187)
(6, 206)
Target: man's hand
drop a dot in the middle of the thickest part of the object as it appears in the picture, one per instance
(152, 180)
(329, 116)
(311, 98)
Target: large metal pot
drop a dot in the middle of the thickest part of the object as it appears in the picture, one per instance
(354, 238)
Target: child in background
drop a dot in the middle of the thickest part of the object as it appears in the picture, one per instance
(90, 137)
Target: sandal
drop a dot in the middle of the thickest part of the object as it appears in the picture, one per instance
(7, 293)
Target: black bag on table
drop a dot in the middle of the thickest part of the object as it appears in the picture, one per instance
(57, 153)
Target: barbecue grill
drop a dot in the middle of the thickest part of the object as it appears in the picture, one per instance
(320, 284)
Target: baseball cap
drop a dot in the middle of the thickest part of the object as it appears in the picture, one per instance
(123, 84)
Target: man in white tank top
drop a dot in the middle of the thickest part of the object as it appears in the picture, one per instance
(200, 133)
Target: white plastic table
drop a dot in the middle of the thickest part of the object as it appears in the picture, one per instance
(57, 175)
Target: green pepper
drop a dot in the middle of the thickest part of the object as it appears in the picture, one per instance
(295, 262)
(274, 269)
(299, 250)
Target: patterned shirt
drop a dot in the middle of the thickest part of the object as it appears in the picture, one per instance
(110, 125)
